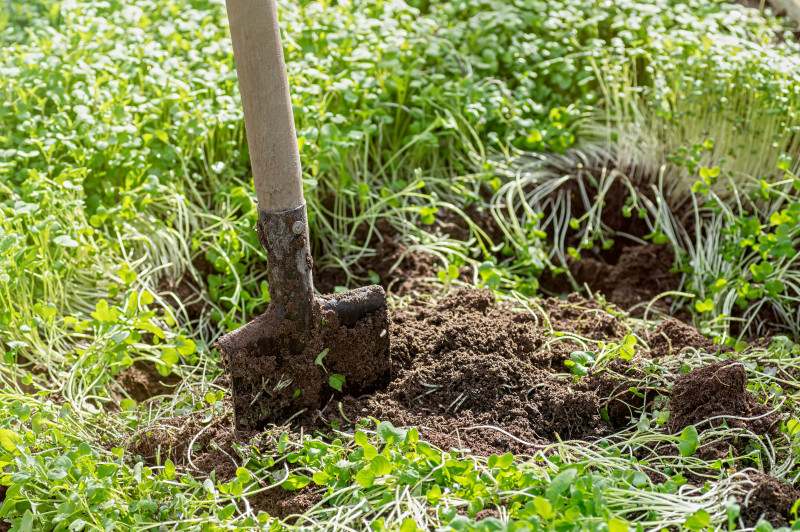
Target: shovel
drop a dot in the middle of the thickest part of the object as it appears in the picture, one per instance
(305, 349)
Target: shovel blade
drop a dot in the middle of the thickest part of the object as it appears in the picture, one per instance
(278, 374)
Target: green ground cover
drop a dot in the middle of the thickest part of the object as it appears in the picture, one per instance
(124, 169)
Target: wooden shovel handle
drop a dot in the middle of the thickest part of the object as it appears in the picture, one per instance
(268, 118)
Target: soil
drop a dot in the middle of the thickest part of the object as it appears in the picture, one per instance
(400, 271)
(283, 504)
(719, 389)
(143, 381)
(214, 451)
(672, 336)
(186, 293)
(473, 374)
(628, 273)
(770, 499)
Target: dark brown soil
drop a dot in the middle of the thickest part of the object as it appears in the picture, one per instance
(211, 443)
(274, 381)
(400, 272)
(282, 504)
(186, 292)
(641, 273)
(672, 336)
(770, 499)
(143, 381)
(475, 375)
(719, 389)
(585, 317)
(628, 273)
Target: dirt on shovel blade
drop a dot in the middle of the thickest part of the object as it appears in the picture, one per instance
(272, 382)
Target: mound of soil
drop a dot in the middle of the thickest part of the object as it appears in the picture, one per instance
(640, 274)
(477, 375)
(672, 336)
(770, 499)
(143, 381)
(718, 391)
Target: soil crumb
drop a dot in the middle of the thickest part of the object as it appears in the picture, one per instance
(672, 336)
(770, 499)
(718, 391)
(143, 381)
(473, 374)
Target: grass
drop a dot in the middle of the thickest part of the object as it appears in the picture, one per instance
(124, 169)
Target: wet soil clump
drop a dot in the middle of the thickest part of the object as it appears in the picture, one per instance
(708, 396)
(143, 381)
(770, 499)
(474, 374)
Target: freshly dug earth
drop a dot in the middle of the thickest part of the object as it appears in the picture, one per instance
(273, 381)
(473, 374)
(710, 395)
(672, 336)
(770, 499)
(143, 381)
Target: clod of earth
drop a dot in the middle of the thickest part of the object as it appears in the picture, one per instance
(769, 499)
(715, 394)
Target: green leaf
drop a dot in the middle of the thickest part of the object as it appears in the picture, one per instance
(704, 306)
(366, 478)
(561, 483)
(321, 478)
(688, 441)
(773, 287)
(361, 439)
(388, 433)
(698, 520)
(380, 465)
(543, 507)
(617, 525)
(7, 242)
(320, 357)
(426, 214)
(169, 470)
(169, 357)
(336, 381)
(243, 475)
(761, 271)
(295, 482)
(9, 440)
(66, 241)
(26, 524)
(408, 525)
(370, 451)
(505, 461)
